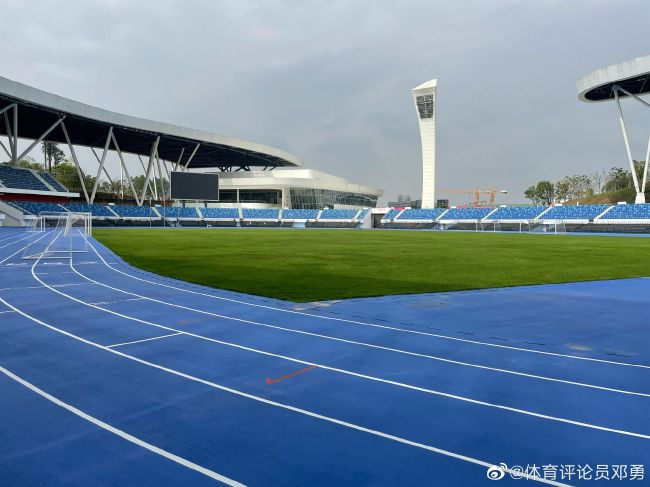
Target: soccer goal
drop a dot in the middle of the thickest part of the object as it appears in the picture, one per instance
(58, 235)
(559, 226)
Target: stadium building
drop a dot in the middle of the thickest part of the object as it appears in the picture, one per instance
(252, 175)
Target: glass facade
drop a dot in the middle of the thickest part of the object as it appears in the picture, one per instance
(425, 106)
(309, 198)
(269, 196)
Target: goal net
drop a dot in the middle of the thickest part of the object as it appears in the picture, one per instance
(58, 235)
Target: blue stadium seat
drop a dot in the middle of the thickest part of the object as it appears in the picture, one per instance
(467, 213)
(330, 214)
(517, 212)
(53, 182)
(15, 177)
(299, 214)
(94, 209)
(260, 213)
(220, 213)
(392, 213)
(628, 212)
(132, 211)
(574, 212)
(177, 212)
(362, 214)
(37, 207)
(421, 214)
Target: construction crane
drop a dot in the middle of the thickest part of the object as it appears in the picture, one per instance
(477, 195)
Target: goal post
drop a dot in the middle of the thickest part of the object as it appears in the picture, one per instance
(55, 235)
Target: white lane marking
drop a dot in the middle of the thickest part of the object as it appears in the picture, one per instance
(17, 252)
(110, 302)
(15, 242)
(270, 402)
(3, 312)
(348, 372)
(144, 340)
(363, 323)
(122, 434)
(369, 345)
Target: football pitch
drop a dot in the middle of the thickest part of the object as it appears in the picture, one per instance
(313, 265)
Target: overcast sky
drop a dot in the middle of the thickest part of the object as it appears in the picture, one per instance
(330, 81)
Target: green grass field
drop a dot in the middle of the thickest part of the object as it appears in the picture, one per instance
(311, 265)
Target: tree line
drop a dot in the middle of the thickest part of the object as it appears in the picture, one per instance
(583, 185)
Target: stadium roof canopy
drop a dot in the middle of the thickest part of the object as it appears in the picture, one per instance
(630, 77)
(86, 125)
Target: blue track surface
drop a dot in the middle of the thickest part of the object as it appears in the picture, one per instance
(114, 376)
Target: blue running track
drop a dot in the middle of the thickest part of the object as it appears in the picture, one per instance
(113, 376)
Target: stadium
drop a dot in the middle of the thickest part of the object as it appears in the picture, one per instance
(181, 307)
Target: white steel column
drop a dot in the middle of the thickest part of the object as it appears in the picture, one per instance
(76, 162)
(101, 164)
(37, 141)
(645, 168)
(15, 149)
(144, 171)
(180, 157)
(640, 197)
(126, 171)
(196, 147)
(154, 151)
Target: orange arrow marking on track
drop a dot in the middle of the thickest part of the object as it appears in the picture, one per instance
(273, 381)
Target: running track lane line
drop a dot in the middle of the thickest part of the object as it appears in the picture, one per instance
(305, 412)
(122, 434)
(363, 323)
(143, 340)
(365, 344)
(348, 372)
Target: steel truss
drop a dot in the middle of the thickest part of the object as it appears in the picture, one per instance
(640, 187)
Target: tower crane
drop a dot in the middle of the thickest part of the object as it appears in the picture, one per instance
(477, 195)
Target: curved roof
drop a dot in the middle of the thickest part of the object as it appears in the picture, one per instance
(88, 126)
(633, 76)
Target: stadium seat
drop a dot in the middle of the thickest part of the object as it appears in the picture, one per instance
(15, 177)
(392, 213)
(628, 212)
(517, 212)
(421, 214)
(330, 214)
(53, 182)
(132, 211)
(470, 214)
(177, 212)
(36, 207)
(574, 212)
(362, 214)
(220, 213)
(289, 214)
(94, 209)
(260, 213)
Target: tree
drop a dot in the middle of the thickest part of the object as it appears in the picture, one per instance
(53, 154)
(30, 163)
(562, 189)
(531, 194)
(545, 192)
(618, 178)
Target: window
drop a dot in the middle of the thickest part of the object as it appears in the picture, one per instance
(425, 106)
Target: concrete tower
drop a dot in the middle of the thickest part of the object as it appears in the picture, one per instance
(424, 97)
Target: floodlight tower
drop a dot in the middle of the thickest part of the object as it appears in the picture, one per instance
(424, 97)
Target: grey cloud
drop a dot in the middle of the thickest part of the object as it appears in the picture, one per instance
(330, 80)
